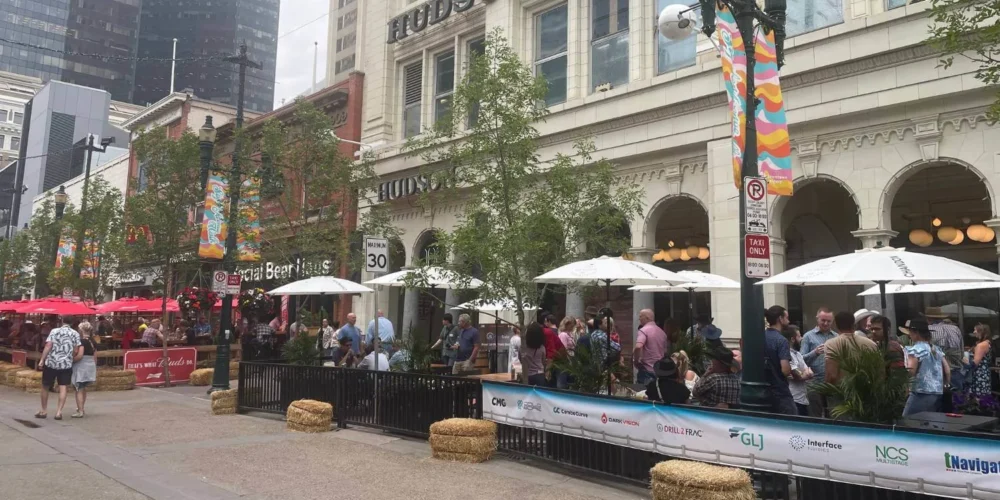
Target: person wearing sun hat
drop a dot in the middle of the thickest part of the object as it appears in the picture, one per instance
(668, 385)
(948, 336)
(720, 387)
(928, 368)
(862, 321)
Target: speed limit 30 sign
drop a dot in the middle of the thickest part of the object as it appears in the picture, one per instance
(376, 255)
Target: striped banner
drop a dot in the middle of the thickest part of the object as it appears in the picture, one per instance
(734, 71)
(773, 147)
(66, 249)
(91, 256)
(212, 244)
(248, 240)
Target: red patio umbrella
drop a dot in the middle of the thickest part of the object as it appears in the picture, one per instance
(137, 305)
(218, 303)
(58, 306)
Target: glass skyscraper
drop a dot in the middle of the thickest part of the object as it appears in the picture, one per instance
(204, 29)
(47, 28)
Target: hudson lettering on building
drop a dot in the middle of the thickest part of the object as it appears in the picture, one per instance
(428, 14)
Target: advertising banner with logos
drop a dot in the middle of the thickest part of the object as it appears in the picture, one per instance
(148, 364)
(956, 467)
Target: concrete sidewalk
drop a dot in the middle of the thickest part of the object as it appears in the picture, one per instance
(164, 444)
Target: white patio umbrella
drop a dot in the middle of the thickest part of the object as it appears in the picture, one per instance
(881, 266)
(932, 288)
(611, 271)
(436, 277)
(321, 285)
(971, 311)
(698, 282)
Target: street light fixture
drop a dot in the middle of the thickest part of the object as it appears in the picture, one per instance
(61, 198)
(206, 142)
(677, 22)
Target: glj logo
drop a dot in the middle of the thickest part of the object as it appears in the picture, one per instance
(748, 439)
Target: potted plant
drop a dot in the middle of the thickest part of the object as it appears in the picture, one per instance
(870, 389)
(254, 303)
(194, 300)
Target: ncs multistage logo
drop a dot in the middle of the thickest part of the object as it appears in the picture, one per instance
(892, 455)
(956, 463)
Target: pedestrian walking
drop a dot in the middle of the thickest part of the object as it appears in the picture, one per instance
(84, 369)
(778, 361)
(928, 368)
(813, 352)
(651, 345)
(62, 346)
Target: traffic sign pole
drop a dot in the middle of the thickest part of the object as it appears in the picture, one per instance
(377, 263)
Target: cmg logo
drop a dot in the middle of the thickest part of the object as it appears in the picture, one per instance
(499, 402)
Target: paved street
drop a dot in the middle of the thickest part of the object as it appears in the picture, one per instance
(164, 444)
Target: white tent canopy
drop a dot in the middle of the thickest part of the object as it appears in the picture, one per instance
(697, 282)
(611, 271)
(932, 288)
(493, 306)
(321, 285)
(437, 277)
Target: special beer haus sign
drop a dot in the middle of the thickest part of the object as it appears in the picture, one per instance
(428, 14)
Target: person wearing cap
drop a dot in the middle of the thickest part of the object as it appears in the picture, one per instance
(947, 336)
(720, 387)
(667, 384)
(862, 321)
(705, 329)
(778, 361)
(928, 368)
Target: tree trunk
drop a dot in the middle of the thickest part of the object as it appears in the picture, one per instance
(167, 279)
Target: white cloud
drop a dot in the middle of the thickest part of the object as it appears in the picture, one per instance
(295, 49)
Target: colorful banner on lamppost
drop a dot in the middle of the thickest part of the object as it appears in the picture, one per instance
(91, 256)
(66, 248)
(734, 71)
(774, 151)
(248, 240)
(212, 244)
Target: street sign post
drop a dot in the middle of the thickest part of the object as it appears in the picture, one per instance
(376, 255)
(758, 255)
(755, 203)
(233, 284)
(219, 282)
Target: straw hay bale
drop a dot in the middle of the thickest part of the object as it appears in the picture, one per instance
(700, 481)
(224, 402)
(115, 374)
(313, 406)
(464, 427)
(234, 370)
(224, 395)
(30, 380)
(9, 370)
(113, 380)
(292, 426)
(202, 376)
(460, 457)
(481, 445)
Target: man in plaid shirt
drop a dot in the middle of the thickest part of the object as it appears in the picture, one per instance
(263, 332)
(720, 387)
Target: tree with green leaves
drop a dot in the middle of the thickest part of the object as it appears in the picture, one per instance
(44, 232)
(969, 29)
(104, 241)
(522, 215)
(16, 259)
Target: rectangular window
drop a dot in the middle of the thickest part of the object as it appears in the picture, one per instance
(3, 115)
(412, 90)
(672, 55)
(893, 4)
(477, 48)
(15, 143)
(609, 46)
(550, 52)
(2, 141)
(444, 84)
(811, 15)
(18, 118)
(143, 181)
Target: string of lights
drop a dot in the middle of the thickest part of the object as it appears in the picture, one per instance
(108, 57)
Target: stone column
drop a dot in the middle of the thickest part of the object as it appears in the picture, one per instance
(874, 238)
(411, 302)
(574, 303)
(640, 300)
(776, 294)
(725, 239)
(451, 300)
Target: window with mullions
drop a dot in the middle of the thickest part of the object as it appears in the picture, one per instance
(811, 15)
(412, 88)
(609, 45)
(477, 48)
(672, 55)
(444, 84)
(551, 43)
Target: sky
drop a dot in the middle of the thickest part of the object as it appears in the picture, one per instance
(295, 48)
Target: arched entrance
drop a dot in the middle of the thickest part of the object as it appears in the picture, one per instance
(940, 208)
(678, 229)
(817, 223)
(430, 301)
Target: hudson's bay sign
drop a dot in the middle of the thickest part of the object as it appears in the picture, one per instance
(428, 14)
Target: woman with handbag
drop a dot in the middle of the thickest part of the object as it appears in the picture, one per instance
(84, 368)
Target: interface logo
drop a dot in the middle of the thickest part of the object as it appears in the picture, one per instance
(572, 413)
(892, 455)
(798, 443)
(748, 439)
(681, 431)
(499, 402)
(528, 405)
(956, 463)
(605, 419)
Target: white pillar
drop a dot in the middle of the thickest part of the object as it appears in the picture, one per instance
(450, 301)
(574, 303)
(411, 302)
(873, 238)
(724, 234)
(640, 300)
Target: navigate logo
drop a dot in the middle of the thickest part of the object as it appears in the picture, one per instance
(892, 455)
(955, 463)
(798, 443)
(683, 431)
(499, 402)
(528, 405)
(748, 439)
(605, 419)
(572, 413)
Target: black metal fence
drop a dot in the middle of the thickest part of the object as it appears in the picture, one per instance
(407, 403)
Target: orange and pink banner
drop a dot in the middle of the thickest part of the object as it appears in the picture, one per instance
(212, 244)
(248, 240)
(774, 151)
(734, 71)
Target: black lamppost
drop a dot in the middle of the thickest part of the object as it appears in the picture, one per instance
(206, 143)
(60, 198)
(677, 22)
(90, 148)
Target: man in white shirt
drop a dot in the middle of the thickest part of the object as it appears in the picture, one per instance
(374, 360)
(800, 370)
